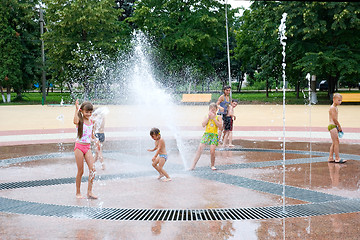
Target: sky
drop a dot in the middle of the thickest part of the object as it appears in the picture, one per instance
(237, 3)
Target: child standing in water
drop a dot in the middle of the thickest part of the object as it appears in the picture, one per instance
(213, 123)
(228, 124)
(160, 155)
(334, 129)
(85, 134)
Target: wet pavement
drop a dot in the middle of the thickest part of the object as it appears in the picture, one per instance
(243, 199)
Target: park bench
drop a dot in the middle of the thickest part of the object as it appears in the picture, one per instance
(196, 98)
(350, 97)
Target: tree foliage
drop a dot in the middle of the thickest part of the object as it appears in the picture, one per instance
(83, 34)
(258, 46)
(19, 45)
(189, 33)
(190, 40)
(322, 39)
(331, 30)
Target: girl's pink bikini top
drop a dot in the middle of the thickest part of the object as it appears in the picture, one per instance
(87, 133)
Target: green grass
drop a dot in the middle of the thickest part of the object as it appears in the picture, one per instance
(248, 97)
(35, 98)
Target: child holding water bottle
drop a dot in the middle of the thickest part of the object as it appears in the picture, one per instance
(335, 129)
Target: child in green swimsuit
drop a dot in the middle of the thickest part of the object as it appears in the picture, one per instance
(334, 127)
(212, 122)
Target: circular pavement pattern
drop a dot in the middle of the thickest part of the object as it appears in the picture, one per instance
(319, 203)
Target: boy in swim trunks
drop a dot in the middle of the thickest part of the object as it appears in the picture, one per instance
(213, 123)
(160, 155)
(334, 127)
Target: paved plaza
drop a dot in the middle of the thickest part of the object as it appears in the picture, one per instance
(250, 196)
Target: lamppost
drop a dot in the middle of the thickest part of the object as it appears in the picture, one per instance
(41, 20)
(227, 47)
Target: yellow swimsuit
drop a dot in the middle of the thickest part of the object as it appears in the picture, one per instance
(210, 136)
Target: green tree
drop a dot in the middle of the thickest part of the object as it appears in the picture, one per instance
(19, 46)
(332, 28)
(322, 39)
(258, 47)
(81, 36)
(188, 33)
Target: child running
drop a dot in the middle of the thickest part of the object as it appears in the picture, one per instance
(228, 124)
(160, 155)
(213, 123)
(334, 129)
(85, 134)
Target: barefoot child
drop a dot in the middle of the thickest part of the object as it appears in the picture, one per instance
(228, 124)
(85, 134)
(213, 123)
(334, 129)
(160, 155)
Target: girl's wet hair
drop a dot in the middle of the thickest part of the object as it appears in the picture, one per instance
(85, 106)
(154, 131)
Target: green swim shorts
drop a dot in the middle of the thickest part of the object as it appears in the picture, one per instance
(210, 139)
(331, 126)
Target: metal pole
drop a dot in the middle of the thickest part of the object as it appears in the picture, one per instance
(227, 46)
(41, 20)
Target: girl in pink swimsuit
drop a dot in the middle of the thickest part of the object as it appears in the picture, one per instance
(85, 134)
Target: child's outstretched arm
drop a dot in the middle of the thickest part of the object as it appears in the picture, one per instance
(76, 116)
(151, 150)
(156, 147)
(159, 146)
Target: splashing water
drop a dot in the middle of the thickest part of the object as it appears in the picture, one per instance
(60, 144)
(282, 29)
(151, 103)
(98, 116)
(308, 77)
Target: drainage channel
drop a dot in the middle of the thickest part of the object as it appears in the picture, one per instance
(118, 214)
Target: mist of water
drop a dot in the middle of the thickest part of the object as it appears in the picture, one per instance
(151, 102)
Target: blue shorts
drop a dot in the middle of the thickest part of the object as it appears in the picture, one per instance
(163, 156)
(100, 136)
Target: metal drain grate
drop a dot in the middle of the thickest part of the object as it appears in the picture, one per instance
(116, 214)
(58, 181)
